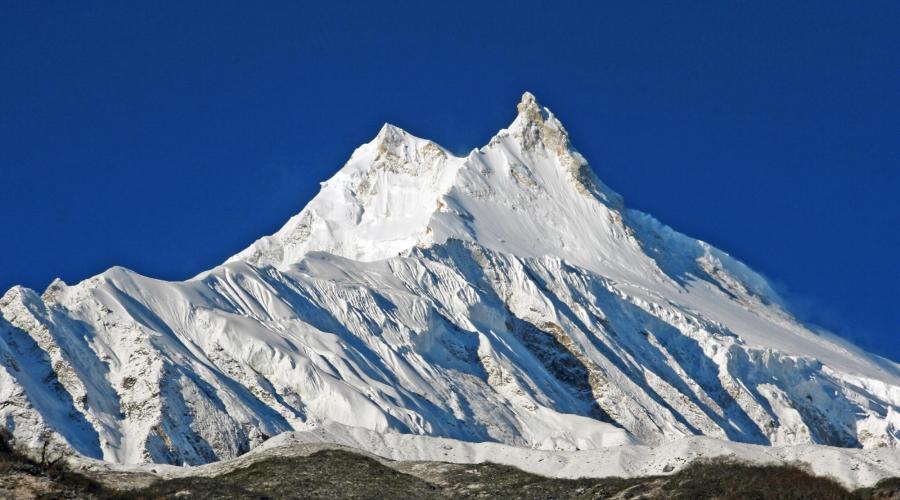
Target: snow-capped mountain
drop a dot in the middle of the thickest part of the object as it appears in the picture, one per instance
(505, 296)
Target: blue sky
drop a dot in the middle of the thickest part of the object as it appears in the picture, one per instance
(166, 136)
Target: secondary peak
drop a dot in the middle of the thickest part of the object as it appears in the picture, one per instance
(390, 134)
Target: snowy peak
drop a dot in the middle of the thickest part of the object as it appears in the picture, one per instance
(506, 296)
(376, 206)
(399, 191)
(390, 133)
(391, 145)
(398, 151)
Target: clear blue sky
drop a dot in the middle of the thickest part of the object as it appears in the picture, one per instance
(165, 136)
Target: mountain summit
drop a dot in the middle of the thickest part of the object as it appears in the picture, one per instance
(505, 296)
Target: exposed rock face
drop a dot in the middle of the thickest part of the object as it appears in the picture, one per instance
(508, 295)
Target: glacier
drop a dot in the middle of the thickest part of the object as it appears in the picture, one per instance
(507, 296)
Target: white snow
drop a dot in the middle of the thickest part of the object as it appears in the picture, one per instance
(854, 468)
(506, 296)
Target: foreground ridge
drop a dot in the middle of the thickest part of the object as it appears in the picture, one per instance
(327, 471)
(505, 296)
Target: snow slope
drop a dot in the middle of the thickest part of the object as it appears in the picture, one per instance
(853, 467)
(506, 296)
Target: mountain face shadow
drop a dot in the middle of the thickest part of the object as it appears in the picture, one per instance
(627, 368)
(659, 340)
(303, 302)
(636, 328)
(159, 441)
(566, 375)
(101, 396)
(560, 358)
(631, 325)
(31, 367)
(679, 257)
(802, 382)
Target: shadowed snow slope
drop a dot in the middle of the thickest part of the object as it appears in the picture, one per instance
(506, 296)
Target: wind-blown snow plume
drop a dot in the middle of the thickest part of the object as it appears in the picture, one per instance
(505, 296)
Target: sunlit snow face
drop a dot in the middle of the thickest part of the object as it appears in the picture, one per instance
(505, 296)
